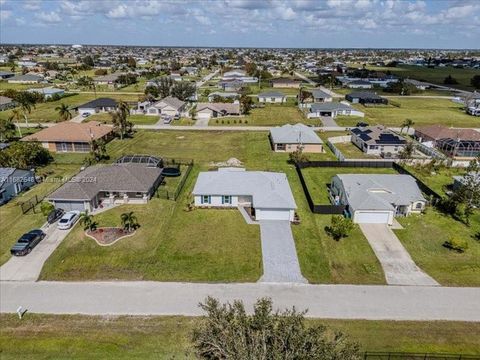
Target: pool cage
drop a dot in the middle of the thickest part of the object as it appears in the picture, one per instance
(459, 148)
(147, 160)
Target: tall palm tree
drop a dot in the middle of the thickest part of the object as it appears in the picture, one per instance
(129, 221)
(407, 124)
(63, 112)
(16, 116)
(119, 119)
(26, 102)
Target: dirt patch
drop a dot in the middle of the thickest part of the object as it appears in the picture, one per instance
(232, 162)
(108, 236)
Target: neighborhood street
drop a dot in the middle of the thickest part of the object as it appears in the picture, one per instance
(322, 301)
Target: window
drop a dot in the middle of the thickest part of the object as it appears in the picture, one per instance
(281, 146)
(205, 199)
(418, 206)
(226, 199)
(272, 99)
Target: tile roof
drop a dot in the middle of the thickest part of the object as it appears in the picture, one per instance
(442, 132)
(69, 131)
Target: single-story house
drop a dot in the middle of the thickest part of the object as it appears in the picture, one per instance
(170, 106)
(267, 195)
(289, 138)
(232, 74)
(420, 85)
(6, 103)
(98, 105)
(332, 109)
(273, 97)
(48, 92)
(320, 96)
(285, 83)
(13, 182)
(378, 140)
(231, 85)
(213, 110)
(359, 84)
(365, 98)
(69, 136)
(109, 80)
(26, 63)
(25, 79)
(377, 198)
(120, 183)
(6, 74)
(223, 95)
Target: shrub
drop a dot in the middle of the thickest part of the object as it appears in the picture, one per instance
(456, 243)
(46, 208)
(340, 227)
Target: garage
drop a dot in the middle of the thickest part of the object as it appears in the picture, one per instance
(70, 205)
(273, 214)
(373, 217)
(206, 115)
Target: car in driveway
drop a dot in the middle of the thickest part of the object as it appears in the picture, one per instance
(68, 220)
(54, 215)
(27, 242)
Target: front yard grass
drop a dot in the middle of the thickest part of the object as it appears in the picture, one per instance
(437, 180)
(423, 237)
(135, 119)
(171, 245)
(13, 223)
(39, 336)
(350, 151)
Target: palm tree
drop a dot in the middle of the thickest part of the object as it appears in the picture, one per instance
(129, 221)
(119, 119)
(16, 115)
(26, 103)
(407, 124)
(7, 129)
(63, 112)
(88, 222)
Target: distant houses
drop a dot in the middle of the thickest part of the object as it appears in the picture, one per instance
(366, 98)
(25, 79)
(6, 103)
(332, 109)
(48, 92)
(285, 83)
(97, 105)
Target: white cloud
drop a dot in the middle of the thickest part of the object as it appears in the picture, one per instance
(51, 17)
(32, 5)
(5, 14)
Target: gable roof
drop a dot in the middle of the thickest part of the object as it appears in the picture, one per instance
(378, 135)
(294, 134)
(26, 77)
(268, 189)
(329, 106)
(379, 191)
(169, 101)
(271, 94)
(99, 103)
(320, 94)
(127, 177)
(228, 108)
(364, 95)
(69, 131)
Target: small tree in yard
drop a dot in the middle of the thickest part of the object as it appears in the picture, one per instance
(246, 103)
(408, 123)
(449, 80)
(340, 227)
(129, 221)
(46, 208)
(407, 151)
(467, 196)
(297, 156)
(228, 332)
(475, 81)
(88, 222)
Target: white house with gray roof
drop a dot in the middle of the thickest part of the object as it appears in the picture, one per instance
(170, 106)
(267, 195)
(14, 181)
(272, 97)
(332, 109)
(377, 198)
(289, 138)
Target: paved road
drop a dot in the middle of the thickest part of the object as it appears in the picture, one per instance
(201, 123)
(207, 78)
(77, 119)
(280, 261)
(398, 266)
(323, 301)
(28, 268)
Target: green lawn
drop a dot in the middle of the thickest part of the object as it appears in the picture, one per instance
(4, 85)
(421, 111)
(13, 223)
(135, 119)
(350, 151)
(318, 178)
(423, 237)
(125, 337)
(436, 180)
(435, 75)
(45, 112)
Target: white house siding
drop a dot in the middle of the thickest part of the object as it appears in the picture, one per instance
(272, 100)
(216, 201)
(205, 114)
(90, 111)
(274, 214)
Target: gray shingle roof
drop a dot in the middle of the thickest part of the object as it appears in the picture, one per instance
(268, 189)
(320, 94)
(379, 191)
(329, 106)
(271, 94)
(117, 177)
(170, 101)
(294, 134)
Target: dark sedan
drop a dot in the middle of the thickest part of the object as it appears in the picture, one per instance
(55, 215)
(27, 242)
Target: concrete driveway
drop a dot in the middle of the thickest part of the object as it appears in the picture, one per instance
(328, 121)
(398, 266)
(280, 261)
(28, 268)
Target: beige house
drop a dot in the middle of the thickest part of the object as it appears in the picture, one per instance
(213, 110)
(285, 83)
(169, 106)
(289, 138)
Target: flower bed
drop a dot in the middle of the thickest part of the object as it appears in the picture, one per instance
(109, 235)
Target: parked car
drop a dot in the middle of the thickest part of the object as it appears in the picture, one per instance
(54, 215)
(362, 124)
(27, 242)
(68, 220)
(167, 120)
(85, 115)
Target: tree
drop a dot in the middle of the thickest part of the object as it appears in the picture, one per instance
(25, 155)
(475, 81)
(7, 129)
(64, 112)
(164, 85)
(27, 102)
(340, 227)
(152, 91)
(129, 221)
(228, 332)
(193, 112)
(407, 151)
(466, 197)
(251, 69)
(246, 103)
(131, 63)
(121, 125)
(183, 90)
(407, 124)
(46, 208)
(88, 221)
(297, 156)
(16, 115)
(98, 152)
(449, 80)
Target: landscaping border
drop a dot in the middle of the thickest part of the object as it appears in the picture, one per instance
(340, 209)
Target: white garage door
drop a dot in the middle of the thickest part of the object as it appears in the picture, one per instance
(365, 217)
(271, 214)
(70, 205)
(203, 116)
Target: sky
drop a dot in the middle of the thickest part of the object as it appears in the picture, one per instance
(445, 24)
